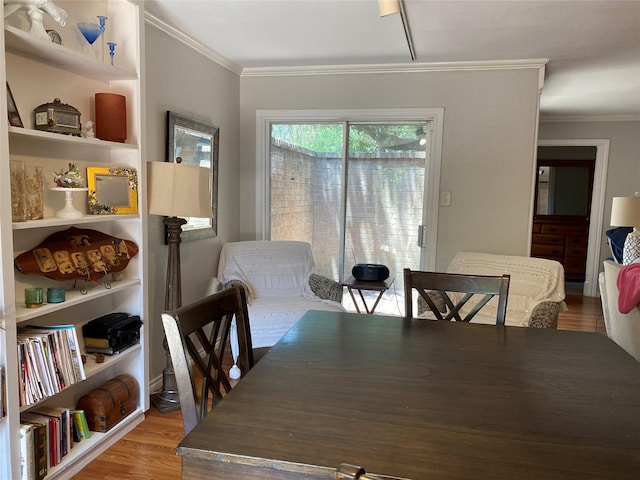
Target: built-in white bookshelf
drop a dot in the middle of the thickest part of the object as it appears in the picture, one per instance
(38, 71)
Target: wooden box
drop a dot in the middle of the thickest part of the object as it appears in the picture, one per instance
(105, 406)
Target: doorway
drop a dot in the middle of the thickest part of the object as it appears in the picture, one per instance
(567, 147)
(563, 205)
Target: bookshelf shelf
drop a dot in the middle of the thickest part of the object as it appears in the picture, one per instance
(21, 42)
(92, 367)
(18, 134)
(73, 297)
(62, 222)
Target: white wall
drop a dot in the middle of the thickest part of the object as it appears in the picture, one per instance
(623, 175)
(488, 162)
(184, 81)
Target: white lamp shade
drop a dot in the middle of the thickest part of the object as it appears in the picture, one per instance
(625, 212)
(388, 7)
(179, 190)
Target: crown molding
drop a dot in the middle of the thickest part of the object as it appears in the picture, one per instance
(224, 62)
(589, 118)
(394, 68)
(190, 42)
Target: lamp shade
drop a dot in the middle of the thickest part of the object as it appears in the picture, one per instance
(625, 211)
(388, 7)
(179, 190)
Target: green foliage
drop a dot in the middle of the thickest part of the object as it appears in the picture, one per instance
(327, 137)
(317, 137)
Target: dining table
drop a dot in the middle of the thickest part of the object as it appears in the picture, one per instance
(420, 399)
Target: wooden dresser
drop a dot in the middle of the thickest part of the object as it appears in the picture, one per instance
(564, 240)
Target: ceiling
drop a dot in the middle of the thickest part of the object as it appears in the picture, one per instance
(592, 46)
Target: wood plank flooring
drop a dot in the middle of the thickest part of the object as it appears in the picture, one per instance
(583, 314)
(148, 452)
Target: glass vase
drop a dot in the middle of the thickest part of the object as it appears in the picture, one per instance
(18, 191)
(34, 183)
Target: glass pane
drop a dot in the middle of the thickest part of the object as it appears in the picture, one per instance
(563, 190)
(385, 196)
(306, 172)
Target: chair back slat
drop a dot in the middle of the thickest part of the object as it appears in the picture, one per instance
(436, 290)
(197, 337)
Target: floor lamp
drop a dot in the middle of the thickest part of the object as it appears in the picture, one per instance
(176, 191)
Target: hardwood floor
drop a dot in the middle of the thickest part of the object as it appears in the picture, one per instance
(149, 450)
(583, 314)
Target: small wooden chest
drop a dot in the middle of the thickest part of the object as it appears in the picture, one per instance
(105, 406)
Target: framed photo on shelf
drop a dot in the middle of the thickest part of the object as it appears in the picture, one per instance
(112, 191)
(14, 115)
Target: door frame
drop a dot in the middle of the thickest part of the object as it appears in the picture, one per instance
(435, 120)
(597, 205)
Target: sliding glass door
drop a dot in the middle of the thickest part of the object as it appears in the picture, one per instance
(355, 191)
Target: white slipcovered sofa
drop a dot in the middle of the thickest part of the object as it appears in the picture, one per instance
(622, 328)
(280, 284)
(536, 289)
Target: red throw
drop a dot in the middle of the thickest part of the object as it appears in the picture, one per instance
(628, 287)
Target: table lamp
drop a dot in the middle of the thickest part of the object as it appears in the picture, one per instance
(176, 191)
(388, 7)
(625, 212)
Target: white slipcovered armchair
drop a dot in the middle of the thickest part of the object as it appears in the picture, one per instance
(536, 289)
(281, 286)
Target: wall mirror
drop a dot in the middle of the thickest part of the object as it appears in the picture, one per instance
(112, 190)
(195, 143)
(564, 188)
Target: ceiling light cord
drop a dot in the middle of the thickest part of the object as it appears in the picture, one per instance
(407, 30)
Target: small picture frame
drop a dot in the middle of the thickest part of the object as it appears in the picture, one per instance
(112, 191)
(14, 115)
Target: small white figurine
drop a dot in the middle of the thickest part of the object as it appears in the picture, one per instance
(35, 13)
(87, 132)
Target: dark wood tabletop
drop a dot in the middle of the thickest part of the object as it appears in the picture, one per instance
(421, 400)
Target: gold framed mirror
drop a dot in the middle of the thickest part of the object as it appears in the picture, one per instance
(112, 191)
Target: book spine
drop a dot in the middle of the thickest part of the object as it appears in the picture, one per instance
(81, 421)
(35, 385)
(41, 457)
(27, 452)
(22, 373)
(40, 442)
(3, 400)
(78, 367)
(48, 353)
(64, 433)
(41, 366)
(65, 355)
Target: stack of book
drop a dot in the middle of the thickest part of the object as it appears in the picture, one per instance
(49, 361)
(47, 435)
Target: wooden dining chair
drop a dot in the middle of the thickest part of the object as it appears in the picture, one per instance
(435, 289)
(198, 334)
